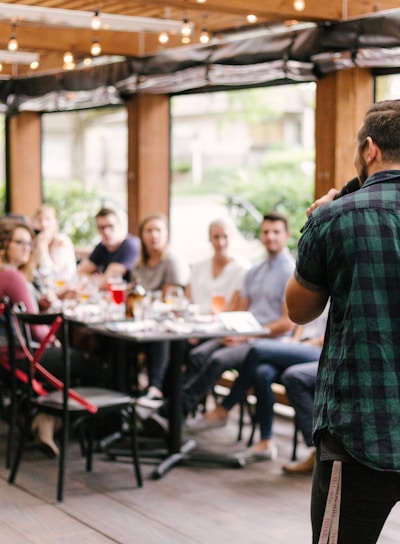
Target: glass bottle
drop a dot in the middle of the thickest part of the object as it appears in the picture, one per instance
(134, 299)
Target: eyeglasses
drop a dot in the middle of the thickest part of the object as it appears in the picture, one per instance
(102, 228)
(23, 243)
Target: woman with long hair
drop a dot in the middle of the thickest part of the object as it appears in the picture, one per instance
(16, 273)
(158, 268)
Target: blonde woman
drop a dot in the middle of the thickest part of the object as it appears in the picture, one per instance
(220, 274)
(54, 251)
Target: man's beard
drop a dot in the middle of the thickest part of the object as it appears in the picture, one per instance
(363, 174)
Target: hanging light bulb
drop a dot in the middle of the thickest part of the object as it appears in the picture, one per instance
(68, 57)
(34, 65)
(186, 29)
(1, 67)
(251, 18)
(12, 42)
(163, 37)
(204, 36)
(95, 50)
(299, 5)
(185, 39)
(96, 21)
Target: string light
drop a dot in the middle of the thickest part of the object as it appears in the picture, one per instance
(68, 57)
(299, 5)
(12, 42)
(34, 65)
(163, 37)
(95, 49)
(251, 18)
(96, 21)
(204, 36)
(186, 29)
(185, 39)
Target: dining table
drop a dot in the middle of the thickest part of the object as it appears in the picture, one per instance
(176, 329)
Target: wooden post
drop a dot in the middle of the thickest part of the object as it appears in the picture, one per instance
(342, 100)
(148, 157)
(23, 163)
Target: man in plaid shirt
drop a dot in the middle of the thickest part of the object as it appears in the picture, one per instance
(350, 251)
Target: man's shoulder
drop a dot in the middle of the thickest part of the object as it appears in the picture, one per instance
(131, 240)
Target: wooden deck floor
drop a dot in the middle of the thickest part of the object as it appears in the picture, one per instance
(191, 504)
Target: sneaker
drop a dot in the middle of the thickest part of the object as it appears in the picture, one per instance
(150, 400)
(204, 424)
(251, 455)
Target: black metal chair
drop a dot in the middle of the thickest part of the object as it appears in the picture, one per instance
(86, 405)
(10, 393)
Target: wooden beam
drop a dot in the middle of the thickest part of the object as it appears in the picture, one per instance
(148, 157)
(24, 181)
(341, 103)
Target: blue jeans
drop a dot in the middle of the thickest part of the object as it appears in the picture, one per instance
(264, 364)
(299, 381)
(366, 501)
(205, 364)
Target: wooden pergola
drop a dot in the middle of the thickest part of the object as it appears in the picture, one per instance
(325, 53)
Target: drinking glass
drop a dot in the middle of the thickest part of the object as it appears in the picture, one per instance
(118, 292)
(174, 296)
(218, 303)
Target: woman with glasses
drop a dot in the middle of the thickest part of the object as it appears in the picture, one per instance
(16, 274)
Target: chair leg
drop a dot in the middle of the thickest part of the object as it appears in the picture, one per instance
(89, 446)
(295, 441)
(62, 458)
(24, 432)
(134, 446)
(241, 421)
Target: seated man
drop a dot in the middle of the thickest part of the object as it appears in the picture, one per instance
(263, 295)
(264, 364)
(117, 251)
(299, 381)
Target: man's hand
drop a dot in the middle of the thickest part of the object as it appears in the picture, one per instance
(329, 197)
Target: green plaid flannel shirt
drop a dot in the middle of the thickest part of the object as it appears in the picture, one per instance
(351, 248)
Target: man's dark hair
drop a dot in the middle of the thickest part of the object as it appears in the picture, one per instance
(276, 216)
(382, 124)
(104, 212)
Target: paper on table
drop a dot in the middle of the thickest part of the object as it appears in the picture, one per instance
(131, 326)
(241, 322)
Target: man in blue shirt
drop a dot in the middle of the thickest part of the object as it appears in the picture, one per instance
(115, 254)
(350, 251)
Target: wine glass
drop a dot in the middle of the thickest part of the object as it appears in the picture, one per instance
(173, 296)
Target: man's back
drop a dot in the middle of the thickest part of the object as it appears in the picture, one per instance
(358, 242)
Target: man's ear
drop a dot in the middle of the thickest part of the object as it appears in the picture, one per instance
(372, 150)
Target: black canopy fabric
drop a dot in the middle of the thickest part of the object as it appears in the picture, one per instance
(289, 56)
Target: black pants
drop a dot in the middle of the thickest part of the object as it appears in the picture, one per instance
(367, 498)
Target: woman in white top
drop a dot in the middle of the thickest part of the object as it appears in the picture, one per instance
(220, 274)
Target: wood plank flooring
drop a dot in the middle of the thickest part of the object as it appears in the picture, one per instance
(192, 504)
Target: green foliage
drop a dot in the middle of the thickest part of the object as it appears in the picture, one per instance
(284, 184)
(76, 209)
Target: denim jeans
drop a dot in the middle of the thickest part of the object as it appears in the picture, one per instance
(264, 364)
(205, 364)
(367, 498)
(299, 381)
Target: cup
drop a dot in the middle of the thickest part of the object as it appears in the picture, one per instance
(218, 303)
(118, 292)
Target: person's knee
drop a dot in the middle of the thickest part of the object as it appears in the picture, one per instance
(265, 374)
